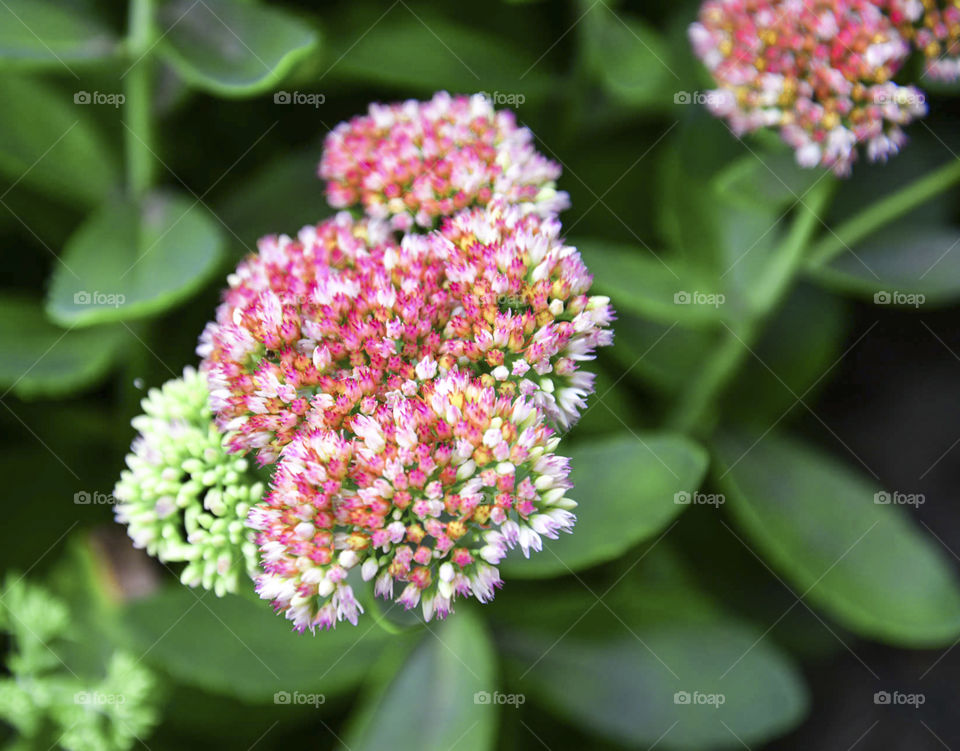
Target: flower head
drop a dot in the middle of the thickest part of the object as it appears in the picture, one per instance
(819, 70)
(182, 496)
(320, 322)
(316, 325)
(523, 316)
(934, 28)
(413, 162)
(421, 494)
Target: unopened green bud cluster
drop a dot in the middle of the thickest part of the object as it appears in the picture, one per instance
(183, 497)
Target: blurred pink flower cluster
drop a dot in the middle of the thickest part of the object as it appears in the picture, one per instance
(821, 71)
(417, 162)
(408, 384)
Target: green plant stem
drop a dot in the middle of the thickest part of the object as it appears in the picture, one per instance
(373, 608)
(883, 212)
(723, 364)
(138, 89)
(736, 343)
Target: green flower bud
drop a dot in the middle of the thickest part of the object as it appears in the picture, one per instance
(183, 498)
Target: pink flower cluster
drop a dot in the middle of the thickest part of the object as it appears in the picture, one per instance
(934, 28)
(523, 317)
(416, 162)
(428, 490)
(315, 325)
(818, 70)
(408, 386)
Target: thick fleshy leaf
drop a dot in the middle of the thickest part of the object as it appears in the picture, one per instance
(722, 237)
(40, 359)
(409, 48)
(280, 198)
(795, 355)
(239, 647)
(820, 526)
(661, 288)
(43, 34)
(56, 149)
(128, 261)
(908, 266)
(233, 48)
(660, 588)
(624, 668)
(613, 399)
(626, 487)
(441, 697)
(669, 682)
(772, 179)
(630, 58)
(665, 356)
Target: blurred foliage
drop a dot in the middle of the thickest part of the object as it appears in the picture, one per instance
(144, 149)
(46, 699)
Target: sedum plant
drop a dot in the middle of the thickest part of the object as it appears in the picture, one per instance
(380, 418)
(407, 385)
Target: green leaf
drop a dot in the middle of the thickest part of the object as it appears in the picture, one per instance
(632, 688)
(771, 179)
(721, 237)
(129, 262)
(660, 589)
(899, 265)
(34, 616)
(659, 288)
(625, 487)
(436, 699)
(55, 148)
(283, 196)
(819, 526)
(413, 49)
(235, 646)
(666, 357)
(117, 725)
(39, 33)
(612, 405)
(233, 48)
(43, 360)
(629, 57)
(795, 355)
(614, 665)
